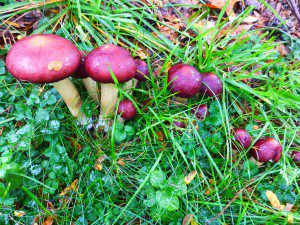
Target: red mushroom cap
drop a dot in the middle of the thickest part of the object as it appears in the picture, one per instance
(266, 149)
(296, 157)
(43, 58)
(108, 58)
(211, 85)
(142, 70)
(185, 80)
(179, 124)
(81, 72)
(126, 109)
(200, 112)
(242, 137)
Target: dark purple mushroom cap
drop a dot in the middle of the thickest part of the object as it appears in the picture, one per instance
(142, 70)
(200, 112)
(185, 80)
(266, 149)
(99, 62)
(81, 72)
(126, 109)
(242, 137)
(296, 157)
(211, 85)
(179, 124)
(42, 58)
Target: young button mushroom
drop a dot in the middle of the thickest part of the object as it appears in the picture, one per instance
(179, 124)
(126, 109)
(242, 138)
(211, 85)
(200, 112)
(266, 149)
(104, 61)
(48, 58)
(90, 85)
(296, 157)
(184, 80)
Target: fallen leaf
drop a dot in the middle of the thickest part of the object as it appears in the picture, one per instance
(219, 4)
(98, 163)
(274, 200)
(121, 162)
(188, 179)
(73, 187)
(19, 213)
(194, 222)
(288, 207)
(290, 218)
(187, 219)
(48, 221)
(251, 19)
(55, 65)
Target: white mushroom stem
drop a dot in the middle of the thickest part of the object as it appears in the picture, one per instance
(92, 88)
(129, 85)
(70, 95)
(109, 97)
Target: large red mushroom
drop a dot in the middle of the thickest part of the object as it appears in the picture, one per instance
(47, 58)
(211, 85)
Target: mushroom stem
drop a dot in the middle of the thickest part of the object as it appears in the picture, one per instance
(129, 85)
(92, 88)
(69, 93)
(109, 97)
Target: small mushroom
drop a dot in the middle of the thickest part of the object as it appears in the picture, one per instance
(126, 109)
(179, 124)
(211, 85)
(266, 149)
(184, 80)
(104, 63)
(200, 112)
(90, 85)
(296, 157)
(48, 58)
(242, 138)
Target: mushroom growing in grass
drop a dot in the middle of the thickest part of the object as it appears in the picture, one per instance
(242, 139)
(90, 85)
(48, 58)
(126, 109)
(266, 149)
(211, 85)
(200, 112)
(107, 64)
(184, 80)
(296, 157)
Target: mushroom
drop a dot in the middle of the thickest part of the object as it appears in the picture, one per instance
(266, 149)
(211, 85)
(90, 85)
(200, 112)
(106, 63)
(179, 124)
(242, 139)
(48, 58)
(184, 80)
(126, 109)
(296, 157)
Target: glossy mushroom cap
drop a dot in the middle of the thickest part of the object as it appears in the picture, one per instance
(185, 80)
(242, 137)
(211, 85)
(43, 58)
(142, 70)
(81, 72)
(296, 157)
(266, 149)
(108, 58)
(126, 109)
(179, 124)
(200, 112)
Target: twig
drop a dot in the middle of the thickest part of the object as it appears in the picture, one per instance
(295, 9)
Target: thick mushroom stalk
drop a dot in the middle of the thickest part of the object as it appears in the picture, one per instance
(109, 98)
(48, 58)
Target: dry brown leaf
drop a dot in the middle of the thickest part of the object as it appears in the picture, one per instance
(55, 65)
(274, 200)
(190, 177)
(251, 19)
(187, 219)
(219, 4)
(194, 222)
(19, 213)
(48, 221)
(121, 162)
(73, 187)
(98, 163)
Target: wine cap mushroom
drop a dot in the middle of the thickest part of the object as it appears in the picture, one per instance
(242, 137)
(184, 79)
(142, 70)
(108, 58)
(266, 149)
(200, 112)
(211, 85)
(179, 124)
(43, 58)
(126, 109)
(296, 157)
(81, 72)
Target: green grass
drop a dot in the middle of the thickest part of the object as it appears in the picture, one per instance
(39, 139)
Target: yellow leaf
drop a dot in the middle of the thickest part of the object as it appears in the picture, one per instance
(274, 200)
(73, 186)
(55, 65)
(19, 213)
(290, 218)
(194, 222)
(188, 179)
(219, 4)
